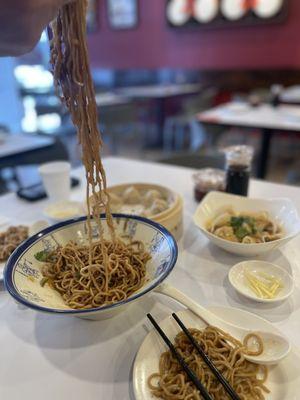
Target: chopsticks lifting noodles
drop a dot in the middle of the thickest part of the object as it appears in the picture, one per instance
(185, 367)
(207, 360)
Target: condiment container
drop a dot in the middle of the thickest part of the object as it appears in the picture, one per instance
(238, 168)
(206, 180)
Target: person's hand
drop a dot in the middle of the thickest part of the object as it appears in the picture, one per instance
(22, 22)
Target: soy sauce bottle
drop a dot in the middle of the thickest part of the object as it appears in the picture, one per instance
(238, 169)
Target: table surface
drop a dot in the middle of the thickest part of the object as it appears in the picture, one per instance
(11, 145)
(103, 99)
(110, 99)
(291, 95)
(264, 116)
(49, 357)
(160, 91)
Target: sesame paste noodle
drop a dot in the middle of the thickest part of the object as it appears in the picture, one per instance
(108, 270)
(227, 353)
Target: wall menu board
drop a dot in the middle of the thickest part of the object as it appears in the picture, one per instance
(223, 13)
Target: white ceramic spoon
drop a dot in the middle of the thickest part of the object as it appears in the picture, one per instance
(276, 347)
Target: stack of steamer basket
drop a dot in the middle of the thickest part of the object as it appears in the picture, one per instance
(171, 218)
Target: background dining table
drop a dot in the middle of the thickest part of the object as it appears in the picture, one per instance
(159, 94)
(268, 119)
(54, 357)
(18, 146)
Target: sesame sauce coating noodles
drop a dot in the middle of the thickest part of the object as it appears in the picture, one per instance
(227, 353)
(107, 270)
(83, 286)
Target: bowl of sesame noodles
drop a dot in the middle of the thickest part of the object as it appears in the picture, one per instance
(58, 271)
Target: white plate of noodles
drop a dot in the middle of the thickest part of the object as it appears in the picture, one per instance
(247, 226)
(283, 380)
(51, 272)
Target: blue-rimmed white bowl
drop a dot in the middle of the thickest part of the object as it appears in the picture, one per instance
(22, 274)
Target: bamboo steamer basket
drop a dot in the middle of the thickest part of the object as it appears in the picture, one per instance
(171, 218)
(174, 220)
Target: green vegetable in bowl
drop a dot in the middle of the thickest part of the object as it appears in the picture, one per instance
(243, 226)
(41, 255)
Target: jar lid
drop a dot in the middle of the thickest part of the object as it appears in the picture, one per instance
(239, 155)
(209, 178)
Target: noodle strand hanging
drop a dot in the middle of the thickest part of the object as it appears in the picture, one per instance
(105, 271)
(72, 76)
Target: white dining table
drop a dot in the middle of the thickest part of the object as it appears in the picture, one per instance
(53, 357)
(263, 116)
(17, 144)
(159, 91)
(268, 119)
(110, 99)
(290, 95)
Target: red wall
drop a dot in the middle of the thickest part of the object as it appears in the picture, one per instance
(154, 45)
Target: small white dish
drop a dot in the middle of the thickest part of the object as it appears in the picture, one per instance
(62, 210)
(238, 279)
(282, 210)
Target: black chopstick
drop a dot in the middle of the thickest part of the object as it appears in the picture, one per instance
(229, 389)
(181, 361)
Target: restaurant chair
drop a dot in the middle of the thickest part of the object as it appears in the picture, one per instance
(293, 175)
(120, 126)
(195, 160)
(184, 129)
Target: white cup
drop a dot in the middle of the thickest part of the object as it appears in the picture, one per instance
(56, 180)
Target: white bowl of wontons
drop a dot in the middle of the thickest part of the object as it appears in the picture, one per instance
(246, 226)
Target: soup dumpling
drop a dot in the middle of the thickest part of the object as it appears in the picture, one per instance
(251, 239)
(151, 196)
(220, 221)
(131, 195)
(158, 206)
(227, 233)
(114, 199)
